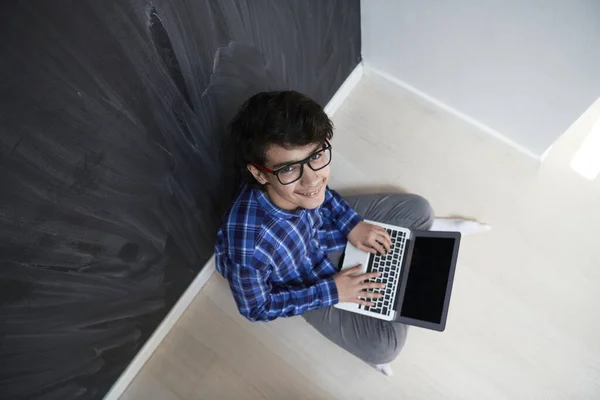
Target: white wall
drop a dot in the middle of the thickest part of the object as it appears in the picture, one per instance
(527, 69)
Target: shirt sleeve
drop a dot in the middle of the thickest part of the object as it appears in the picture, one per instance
(259, 300)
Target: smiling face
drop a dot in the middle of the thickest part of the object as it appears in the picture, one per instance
(307, 192)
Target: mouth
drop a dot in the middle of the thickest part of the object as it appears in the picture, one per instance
(311, 194)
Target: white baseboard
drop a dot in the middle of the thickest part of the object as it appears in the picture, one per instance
(204, 275)
(483, 127)
(344, 90)
(161, 332)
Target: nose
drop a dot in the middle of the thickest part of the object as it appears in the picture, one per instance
(309, 177)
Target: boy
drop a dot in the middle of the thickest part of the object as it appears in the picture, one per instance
(281, 241)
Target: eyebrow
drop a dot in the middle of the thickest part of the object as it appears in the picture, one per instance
(283, 164)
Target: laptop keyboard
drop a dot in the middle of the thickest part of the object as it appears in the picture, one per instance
(389, 266)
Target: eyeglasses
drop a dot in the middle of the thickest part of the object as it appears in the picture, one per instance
(290, 173)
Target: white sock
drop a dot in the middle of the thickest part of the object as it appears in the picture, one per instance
(464, 226)
(385, 369)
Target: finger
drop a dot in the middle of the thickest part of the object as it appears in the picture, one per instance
(387, 244)
(354, 270)
(367, 249)
(373, 235)
(383, 232)
(378, 247)
(373, 240)
(370, 275)
(363, 302)
(373, 285)
(381, 229)
(388, 238)
(371, 295)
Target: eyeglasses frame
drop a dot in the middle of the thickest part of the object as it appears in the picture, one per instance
(276, 172)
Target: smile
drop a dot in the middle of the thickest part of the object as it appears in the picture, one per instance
(311, 194)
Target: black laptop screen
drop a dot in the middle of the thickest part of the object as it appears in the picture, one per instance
(428, 279)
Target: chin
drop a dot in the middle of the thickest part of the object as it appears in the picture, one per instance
(311, 203)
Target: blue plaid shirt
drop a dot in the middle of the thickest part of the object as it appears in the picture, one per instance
(276, 260)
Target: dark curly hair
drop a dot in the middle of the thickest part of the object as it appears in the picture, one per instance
(285, 118)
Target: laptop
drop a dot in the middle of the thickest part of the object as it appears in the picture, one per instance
(418, 271)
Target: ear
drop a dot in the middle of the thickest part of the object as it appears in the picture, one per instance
(257, 174)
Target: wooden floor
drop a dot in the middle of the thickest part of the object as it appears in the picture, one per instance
(524, 320)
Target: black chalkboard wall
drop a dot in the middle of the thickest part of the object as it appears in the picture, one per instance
(113, 176)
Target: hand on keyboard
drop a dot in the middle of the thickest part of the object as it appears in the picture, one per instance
(351, 287)
(370, 238)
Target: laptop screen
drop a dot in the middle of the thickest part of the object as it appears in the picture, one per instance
(427, 279)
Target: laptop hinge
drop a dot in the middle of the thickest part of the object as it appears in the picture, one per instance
(403, 271)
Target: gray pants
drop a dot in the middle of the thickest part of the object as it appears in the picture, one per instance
(373, 340)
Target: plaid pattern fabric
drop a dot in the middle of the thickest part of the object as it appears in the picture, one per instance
(276, 260)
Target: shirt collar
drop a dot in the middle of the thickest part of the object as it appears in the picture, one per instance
(264, 201)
